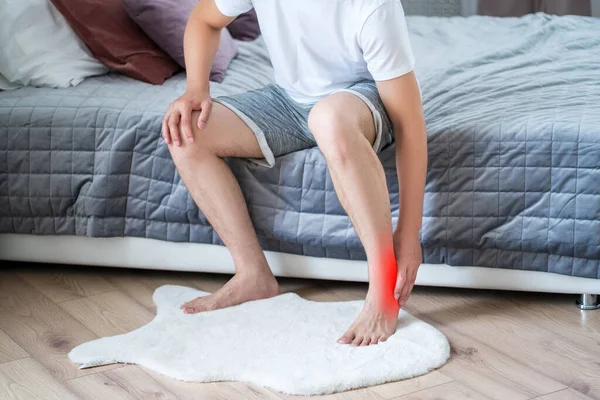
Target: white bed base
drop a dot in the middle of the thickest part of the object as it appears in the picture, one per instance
(131, 252)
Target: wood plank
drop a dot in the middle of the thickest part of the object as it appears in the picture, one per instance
(98, 387)
(27, 379)
(127, 383)
(139, 384)
(108, 314)
(395, 389)
(491, 373)
(129, 282)
(62, 284)
(556, 313)
(160, 278)
(447, 391)
(327, 291)
(319, 292)
(348, 291)
(296, 285)
(9, 350)
(358, 394)
(567, 394)
(478, 315)
(212, 391)
(42, 328)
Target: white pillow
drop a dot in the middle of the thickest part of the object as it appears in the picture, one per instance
(39, 47)
(6, 85)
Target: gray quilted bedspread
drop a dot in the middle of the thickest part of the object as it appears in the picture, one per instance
(513, 112)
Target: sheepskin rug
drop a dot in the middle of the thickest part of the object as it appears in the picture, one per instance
(285, 343)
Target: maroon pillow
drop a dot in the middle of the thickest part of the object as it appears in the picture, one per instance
(165, 20)
(115, 40)
(245, 27)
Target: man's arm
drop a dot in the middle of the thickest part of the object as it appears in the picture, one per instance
(402, 100)
(200, 43)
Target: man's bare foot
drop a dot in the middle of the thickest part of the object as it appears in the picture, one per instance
(239, 289)
(376, 322)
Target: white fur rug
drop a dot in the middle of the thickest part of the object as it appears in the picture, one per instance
(284, 343)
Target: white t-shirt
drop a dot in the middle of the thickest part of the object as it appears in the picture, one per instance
(319, 46)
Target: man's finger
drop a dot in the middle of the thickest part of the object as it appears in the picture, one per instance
(165, 129)
(407, 289)
(204, 113)
(404, 292)
(174, 128)
(186, 124)
(400, 279)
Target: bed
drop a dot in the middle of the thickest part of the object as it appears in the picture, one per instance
(513, 187)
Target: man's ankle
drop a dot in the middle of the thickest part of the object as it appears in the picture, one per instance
(255, 272)
(382, 298)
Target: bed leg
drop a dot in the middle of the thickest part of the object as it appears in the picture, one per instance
(588, 302)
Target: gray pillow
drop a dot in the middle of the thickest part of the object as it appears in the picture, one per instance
(164, 22)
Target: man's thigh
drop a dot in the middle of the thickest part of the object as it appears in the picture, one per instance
(278, 122)
(224, 135)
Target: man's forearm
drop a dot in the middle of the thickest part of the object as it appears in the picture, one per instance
(402, 99)
(411, 165)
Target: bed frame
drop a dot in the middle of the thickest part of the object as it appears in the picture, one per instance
(132, 252)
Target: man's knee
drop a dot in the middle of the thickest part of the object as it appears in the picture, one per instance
(326, 119)
(201, 147)
(334, 131)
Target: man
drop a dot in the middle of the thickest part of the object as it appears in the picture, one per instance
(345, 83)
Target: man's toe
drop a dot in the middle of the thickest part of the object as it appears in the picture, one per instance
(346, 339)
(357, 340)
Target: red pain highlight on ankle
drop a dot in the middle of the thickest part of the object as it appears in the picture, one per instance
(389, 273)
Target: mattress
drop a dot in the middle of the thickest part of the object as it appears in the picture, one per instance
(512, 107)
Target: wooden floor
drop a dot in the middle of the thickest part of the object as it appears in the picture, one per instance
(505, 345)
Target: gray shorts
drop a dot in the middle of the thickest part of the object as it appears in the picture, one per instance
(281, 124)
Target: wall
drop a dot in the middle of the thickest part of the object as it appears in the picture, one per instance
(596, 8)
